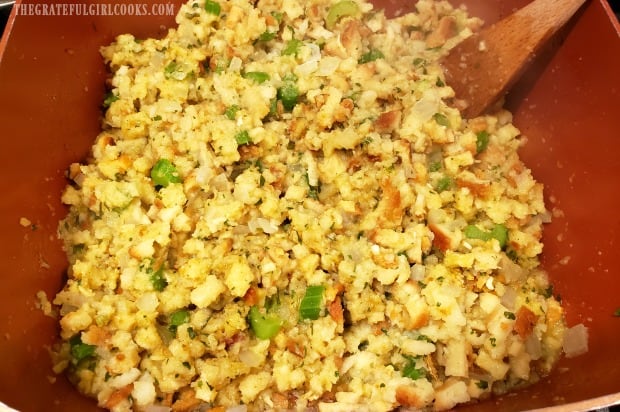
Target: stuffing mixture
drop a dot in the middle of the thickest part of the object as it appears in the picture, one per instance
(286, 210)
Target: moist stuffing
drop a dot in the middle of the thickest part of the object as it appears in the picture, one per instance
(286, 210)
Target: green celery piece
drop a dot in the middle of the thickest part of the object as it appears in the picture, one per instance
(158, 280)
(341, 9)
(231, 111)
(243, 138)
(264, 326)
(267, 36)
(164, 172)
(444, 183)
(258, 77)
(371, 56)
(179, 317)
(288, 94)
(410, 371)
(213, 7)
(441, 119)
(80, 350)
(110, 98)
(482, 141)
(292, 47)
(474, 232)
(310, 306)
(500, 232)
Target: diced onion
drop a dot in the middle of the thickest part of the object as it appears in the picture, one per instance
(143, 392)
(235, 64)
(147, 302)
(545, 216)
(575, 341)
(426, 107)
(220, 182)
(307, 68)
(157, 408)
(510, 270)
(237, 408)
(509, 297)
(125, 379)
(267, 226)
(312, 62)
(533, 347)
(328, 65)
(249, 357)
(418, 272)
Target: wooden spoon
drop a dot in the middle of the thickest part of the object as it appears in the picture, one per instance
(485, 65)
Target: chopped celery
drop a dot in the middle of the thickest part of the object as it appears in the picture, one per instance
(411, 371)
(243, 138)
(341, 9)
(80, 350)
(482, 141)
(444, 183)
(213, 7)
(258, 77)
(292, 47)
(441, 119)
(164, 172)
(372, 55)
(264, 326)
(310, 306)
(177, 319)
(158, 280)
(231, 111)
(109, 99)
(499, 232)
(288, 94)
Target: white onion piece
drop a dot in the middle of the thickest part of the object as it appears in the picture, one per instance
(575, 341)
(237, 408)
(533, 347)
(328, 65)
(312, 62)
(235, 64)
(157, 408)
(305, 69)
(169, 106)
(147, 302)
(418, 272)
(320, 32)
(125, 379)
(267, 226)
(249, 357)
(204, 174)
(220, 182)
(510, 270)
(545, 216)
(157, 60)
(143, 392)
(241, 230)
(509, 297)
(426, 107)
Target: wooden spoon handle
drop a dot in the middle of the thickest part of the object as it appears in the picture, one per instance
(484, 66)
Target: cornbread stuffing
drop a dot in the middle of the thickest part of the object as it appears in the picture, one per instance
(286, 210)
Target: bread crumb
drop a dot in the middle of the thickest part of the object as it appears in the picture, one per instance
(25, 222)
